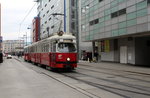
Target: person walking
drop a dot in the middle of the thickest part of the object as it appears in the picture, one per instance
(96, 56)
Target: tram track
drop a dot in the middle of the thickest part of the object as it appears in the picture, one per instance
(111, 89)
(133, 72)
(138, 87)
(107, 88)
(118, 75)
(43, 71)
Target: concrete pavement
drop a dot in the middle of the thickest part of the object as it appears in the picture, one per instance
(18, 81)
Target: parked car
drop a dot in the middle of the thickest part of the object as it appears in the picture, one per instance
(9, 56)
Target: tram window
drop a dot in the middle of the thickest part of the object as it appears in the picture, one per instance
(54, 47)
(66, 47)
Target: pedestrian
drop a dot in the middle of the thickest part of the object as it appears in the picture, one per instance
(18, 55)
(89, 56)
(96, 56)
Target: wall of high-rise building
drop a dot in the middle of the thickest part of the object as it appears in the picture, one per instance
(66, 20)
(116, 27)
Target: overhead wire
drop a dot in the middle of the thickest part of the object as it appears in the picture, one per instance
(26, 17)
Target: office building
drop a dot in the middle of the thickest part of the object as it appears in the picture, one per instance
(57, 15)
(118, 29)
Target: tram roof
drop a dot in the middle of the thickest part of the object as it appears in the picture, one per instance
(66, 35)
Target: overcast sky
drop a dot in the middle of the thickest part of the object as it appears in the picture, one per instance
(13, 13)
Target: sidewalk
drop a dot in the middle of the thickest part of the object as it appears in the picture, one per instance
(118, 66)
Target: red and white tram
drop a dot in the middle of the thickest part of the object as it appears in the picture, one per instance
(57, 51)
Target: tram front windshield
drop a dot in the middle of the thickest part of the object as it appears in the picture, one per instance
(66, 47)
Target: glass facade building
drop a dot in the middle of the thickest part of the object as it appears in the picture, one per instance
(66, 21)
(116, 20)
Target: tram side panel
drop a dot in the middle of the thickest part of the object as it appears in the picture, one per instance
(33, 57)
(38, 58)
(45, 59)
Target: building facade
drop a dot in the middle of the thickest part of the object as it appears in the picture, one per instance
(84, 47)
(13, 46)
(35, 29)
(57, 15)
(119, 29)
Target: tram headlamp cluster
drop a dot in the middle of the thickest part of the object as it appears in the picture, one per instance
(68, 59)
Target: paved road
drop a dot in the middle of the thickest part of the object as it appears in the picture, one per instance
(18, 81)
(89, 80)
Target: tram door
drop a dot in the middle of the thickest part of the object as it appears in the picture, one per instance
(123, 54)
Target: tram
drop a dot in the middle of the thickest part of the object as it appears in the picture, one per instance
(56, 52)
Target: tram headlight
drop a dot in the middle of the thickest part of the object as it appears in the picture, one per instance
(68, 59)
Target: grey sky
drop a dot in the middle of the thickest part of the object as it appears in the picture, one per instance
(13, 12)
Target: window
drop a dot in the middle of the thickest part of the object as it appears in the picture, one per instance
(73, 14)
(121, 12)
(107, 12)
(122, 24)
(118, 13)
(114, 3)
(115, 33)
(121, 1)
(45, 5)
(66, 47)
(52, 27)
(100, 0)
(49, 18)
(131, 22)
(47, 12)
(131, 15)
(44, 15)
(148, 1)
(107, 17)
(141, 5)
(45, 22)
(115, 14)
(52, 7)
(142, 12)
(93, 22)
(122, 31)
(73, 2)
(73, 25)
(96, 21)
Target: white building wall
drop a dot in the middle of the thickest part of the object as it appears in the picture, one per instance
(10, 46)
